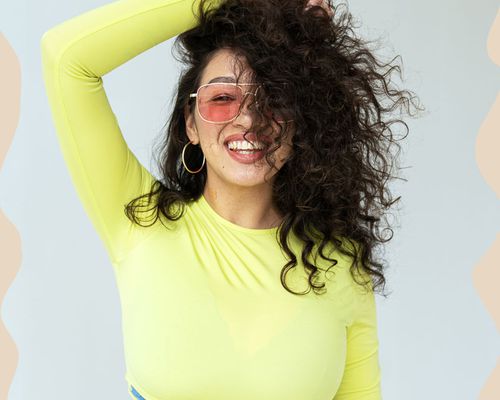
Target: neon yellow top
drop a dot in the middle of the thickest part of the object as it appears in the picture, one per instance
(204, 314)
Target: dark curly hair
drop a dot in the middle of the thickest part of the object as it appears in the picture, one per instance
(313, 67)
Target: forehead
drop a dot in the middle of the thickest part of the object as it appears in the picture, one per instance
(225, 66)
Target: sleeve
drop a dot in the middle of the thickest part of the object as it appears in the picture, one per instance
(362, 376)
(75, 56)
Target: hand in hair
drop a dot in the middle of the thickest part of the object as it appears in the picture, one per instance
(321, 3)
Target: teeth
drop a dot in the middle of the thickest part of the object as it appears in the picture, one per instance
(239, 145)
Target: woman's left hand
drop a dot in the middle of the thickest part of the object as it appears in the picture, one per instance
(321, 3)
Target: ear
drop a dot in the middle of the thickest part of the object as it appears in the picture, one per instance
(191, 129)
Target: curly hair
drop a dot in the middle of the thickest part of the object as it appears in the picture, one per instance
(314, 67)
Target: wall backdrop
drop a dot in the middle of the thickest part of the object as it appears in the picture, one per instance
(61, 335)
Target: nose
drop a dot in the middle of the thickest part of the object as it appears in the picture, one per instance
(247, 108)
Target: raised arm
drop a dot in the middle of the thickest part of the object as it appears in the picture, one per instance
(75, 55)
(362, 376)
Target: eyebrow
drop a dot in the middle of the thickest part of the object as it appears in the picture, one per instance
(223, 79)
(226, 79)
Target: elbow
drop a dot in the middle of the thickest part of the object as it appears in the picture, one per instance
(48, 45)
(54, 42)
(52, 49)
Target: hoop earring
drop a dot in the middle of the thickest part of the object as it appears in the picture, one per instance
(184, 162)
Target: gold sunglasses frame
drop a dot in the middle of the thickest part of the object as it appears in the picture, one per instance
(242, 102)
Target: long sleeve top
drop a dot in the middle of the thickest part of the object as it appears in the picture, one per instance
(204, 314)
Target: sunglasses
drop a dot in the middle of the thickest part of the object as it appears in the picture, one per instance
(220, 102)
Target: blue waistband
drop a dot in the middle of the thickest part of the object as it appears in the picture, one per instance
(136, 394)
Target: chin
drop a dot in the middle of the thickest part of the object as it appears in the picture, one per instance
(250, 181)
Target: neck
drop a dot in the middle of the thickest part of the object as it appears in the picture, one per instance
(249, 207)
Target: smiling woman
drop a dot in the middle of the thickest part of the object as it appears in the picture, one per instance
(235, 174)
(207, 312)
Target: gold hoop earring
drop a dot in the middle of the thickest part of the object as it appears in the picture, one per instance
(184, 162)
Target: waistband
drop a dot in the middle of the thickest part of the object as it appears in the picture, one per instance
(136, 393)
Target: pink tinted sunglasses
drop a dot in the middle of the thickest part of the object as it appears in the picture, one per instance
(220, 102)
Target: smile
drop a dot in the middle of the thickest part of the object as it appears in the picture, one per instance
(245, 155)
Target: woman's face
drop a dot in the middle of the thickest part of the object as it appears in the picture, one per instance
(224, 167)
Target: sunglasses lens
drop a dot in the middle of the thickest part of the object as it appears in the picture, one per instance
(219, 103)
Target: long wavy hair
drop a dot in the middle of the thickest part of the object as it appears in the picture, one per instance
(333, 190)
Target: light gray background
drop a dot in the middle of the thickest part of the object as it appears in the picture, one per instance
(436, 339)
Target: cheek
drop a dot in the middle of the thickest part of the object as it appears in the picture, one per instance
(209, 138)
(287, 145)
(213, 147)
(286, 151)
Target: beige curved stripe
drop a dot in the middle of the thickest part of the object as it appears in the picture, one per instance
(10, 243)
(486, 274)
(493, 45)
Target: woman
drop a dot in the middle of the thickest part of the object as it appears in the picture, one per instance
(264, 166)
